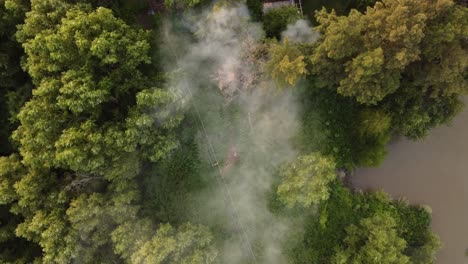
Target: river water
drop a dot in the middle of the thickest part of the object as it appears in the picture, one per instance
(433, 172)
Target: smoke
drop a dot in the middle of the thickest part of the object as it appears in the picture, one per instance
(300, 32)
(224, 41)
(245, 127)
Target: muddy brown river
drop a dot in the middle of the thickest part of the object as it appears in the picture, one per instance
(433, 172)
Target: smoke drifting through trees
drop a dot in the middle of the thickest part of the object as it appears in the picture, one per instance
(239, 110)
(301, 31)
(119, 157)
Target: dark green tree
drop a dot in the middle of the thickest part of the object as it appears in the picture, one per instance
(374, 240)
(92, 121)
(356, 227)
(15, 89)
(12, 248)
(182, 4)
(337, 126)
(255, 9)
(405, 56)
(306, 181)
(276, 20)
(286, 64)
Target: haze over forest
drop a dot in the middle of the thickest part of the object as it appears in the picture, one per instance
(198, 132)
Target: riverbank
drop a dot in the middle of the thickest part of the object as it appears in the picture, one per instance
(432, 172)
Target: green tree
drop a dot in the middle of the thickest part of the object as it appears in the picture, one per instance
(93, 218)
(12, 248)
(92, 121)
(405, 56)
(339, 127)
(15, 85)
(256, 9)
(414, 114)
(415, 227)
(286, 64)
(187, 244)
(182, 4)
(426, 254)
(373, 126)
(15, 89)
(373, 240)
(276, 20)
(305, 181)
(85, 108)
(365, 54)
(353, 226)
(363, 4)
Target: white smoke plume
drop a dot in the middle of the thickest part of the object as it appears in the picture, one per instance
(300, 32)
(226, 51)
(245, 128)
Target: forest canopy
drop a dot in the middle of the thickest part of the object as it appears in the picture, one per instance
(197, 132)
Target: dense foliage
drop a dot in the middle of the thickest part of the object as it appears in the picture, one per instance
(255, 9)
(86, 131)
(374, 239)
(305, 181)
(276, 20)
(287, 64)
(406, 57)
(359, 228)
(391, 71)
(353, 134)
(101, 160)
(15, 86)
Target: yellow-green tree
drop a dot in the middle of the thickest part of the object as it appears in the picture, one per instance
(93, 119)
(286, 64)
(305, 181)
(15, 85)
(374, 132)
(408, 57)
(373, 240)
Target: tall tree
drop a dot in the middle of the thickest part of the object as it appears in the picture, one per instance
(15, 89)
(287, 63)
(255, 9)
(94, 118)
(407, 56)
(84, 96)
(187, 244)
(182, 4)
(305, 182)
(12, 248)
(374, 240)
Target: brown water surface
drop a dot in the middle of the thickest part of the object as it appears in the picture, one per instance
(433, 172)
